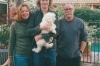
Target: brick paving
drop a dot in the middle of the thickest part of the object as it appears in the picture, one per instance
(87, 64)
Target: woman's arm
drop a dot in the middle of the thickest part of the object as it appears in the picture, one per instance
(31, 29)
(12, 39)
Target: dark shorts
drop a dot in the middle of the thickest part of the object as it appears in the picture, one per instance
(61, 61)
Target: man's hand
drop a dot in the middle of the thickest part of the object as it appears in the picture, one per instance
(56, 53)
(81, 55)
(38, 37)
(45, 26)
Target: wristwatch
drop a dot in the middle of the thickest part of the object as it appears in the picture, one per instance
(81, 52)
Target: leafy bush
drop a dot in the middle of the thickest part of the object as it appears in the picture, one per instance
(59, 10)
(87, 14)
(97, 33)
(84, 13)
(4, 34)
(91, 31)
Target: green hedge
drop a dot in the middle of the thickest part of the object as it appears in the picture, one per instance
(85, 13)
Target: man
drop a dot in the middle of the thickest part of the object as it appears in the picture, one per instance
(46, 57)
(72, 38)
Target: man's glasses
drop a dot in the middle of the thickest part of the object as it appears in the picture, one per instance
(68, 9)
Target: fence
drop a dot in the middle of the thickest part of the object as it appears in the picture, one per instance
(94, 56)
(4, 56)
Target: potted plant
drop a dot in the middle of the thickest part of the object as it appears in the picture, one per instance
(87, 50)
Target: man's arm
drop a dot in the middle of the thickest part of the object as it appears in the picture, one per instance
(83, 45)
(83, 38)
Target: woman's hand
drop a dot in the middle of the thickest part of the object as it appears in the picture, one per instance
(56, 53)
(45, 26)
(38, 37)
(7, 63)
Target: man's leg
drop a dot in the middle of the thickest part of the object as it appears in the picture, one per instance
(75, 61)
(61, 61)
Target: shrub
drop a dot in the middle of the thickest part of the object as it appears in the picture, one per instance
(84, 13)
